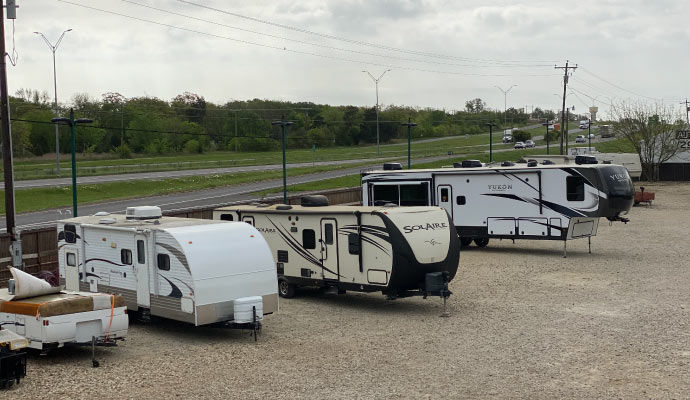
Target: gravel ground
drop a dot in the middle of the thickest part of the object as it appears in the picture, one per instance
(525, 322)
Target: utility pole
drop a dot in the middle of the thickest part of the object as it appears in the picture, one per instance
(409, 125)
(283, 123)
(16, 247)
(565, 85)
(687, 109)
(491, 140)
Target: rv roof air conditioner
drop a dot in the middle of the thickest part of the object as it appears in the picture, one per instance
(317, 200)
(392, 166)
(143, 212)
(585, 160)
(468, 164)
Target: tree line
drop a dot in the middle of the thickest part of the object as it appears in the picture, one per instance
(189, 123)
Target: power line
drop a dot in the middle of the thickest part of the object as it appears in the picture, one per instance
(514, 65)
(359, 62)
(352, 41)
(616, 86)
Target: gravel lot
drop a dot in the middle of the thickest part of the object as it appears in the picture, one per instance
(525, 322)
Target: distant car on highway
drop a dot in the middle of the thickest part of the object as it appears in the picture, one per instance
(580, 139)
(519, 145)
(529, 143)
(591, 136)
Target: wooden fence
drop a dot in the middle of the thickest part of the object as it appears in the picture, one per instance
(39, 246)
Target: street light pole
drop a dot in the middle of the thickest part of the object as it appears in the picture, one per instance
(72, 123)
(505, 95)
(53, 49)
(409, 125)
(283, 123)
(376, 82)
(491, 141)
(546, 124)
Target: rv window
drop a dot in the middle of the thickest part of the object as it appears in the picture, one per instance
(308, 239)
(126, 256)
(282, 256)
(329, 233)
(384, 194)
(353, 243)
(414, 195)
(226, 217)
(141, 252)
(575, 188)
(163, 262)
(70, 233)
(71, 259)
(460, 200)
(444, 195)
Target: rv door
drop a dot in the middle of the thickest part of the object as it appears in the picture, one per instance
(444, 195)
(329, 248)
(142, 272)
(71, 268)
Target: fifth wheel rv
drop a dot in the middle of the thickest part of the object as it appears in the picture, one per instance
(531, 201)
(398, 251)
(190, 270)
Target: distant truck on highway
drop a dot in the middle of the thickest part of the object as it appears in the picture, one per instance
(605, 131)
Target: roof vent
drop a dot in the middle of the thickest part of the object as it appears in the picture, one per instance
(283, 207)
(101, 214)
(317, 200)
(507, 164)
(532, 163)
(107, 221)
(392, 166)
(144, 212)
(548, 162)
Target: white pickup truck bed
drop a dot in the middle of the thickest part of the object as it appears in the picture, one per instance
(54, 320)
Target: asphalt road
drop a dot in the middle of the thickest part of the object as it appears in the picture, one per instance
(203, 198)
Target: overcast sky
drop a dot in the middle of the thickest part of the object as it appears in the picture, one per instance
(441, 53)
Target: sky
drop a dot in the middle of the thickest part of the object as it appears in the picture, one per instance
(440, 53)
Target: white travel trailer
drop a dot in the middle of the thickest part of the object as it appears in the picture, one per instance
(394, 250)
(191, 270)
(631, 161)
(528, 201)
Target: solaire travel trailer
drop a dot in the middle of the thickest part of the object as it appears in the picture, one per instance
(49, 317)
(528, 201)
(191, 270)
(397, 251)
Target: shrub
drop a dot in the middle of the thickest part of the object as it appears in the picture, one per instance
(521, 136)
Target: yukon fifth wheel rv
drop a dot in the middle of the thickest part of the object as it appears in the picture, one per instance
(527, 201)
(398, 251)
(191, 270)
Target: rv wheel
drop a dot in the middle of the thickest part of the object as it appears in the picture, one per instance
(465, 241)
(481, 242)
(285, 289)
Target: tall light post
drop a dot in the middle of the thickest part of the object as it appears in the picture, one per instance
(409, 125)
(72, 123)
(546, 124)
(283, 123)
(376, 81)
(505, 109)
(57, 137)
(491, 141)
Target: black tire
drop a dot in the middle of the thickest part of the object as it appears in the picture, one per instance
(464, 242)
(481, 242)
(285, 289)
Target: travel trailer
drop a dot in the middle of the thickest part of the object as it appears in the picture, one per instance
(399, 251)
(191, 270)
(49, 317)
(528, 201)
